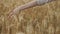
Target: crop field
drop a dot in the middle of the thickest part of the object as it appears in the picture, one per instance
(43, 19)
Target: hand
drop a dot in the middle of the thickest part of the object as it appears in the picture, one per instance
(13, 12)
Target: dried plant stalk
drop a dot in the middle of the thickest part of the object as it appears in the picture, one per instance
(43, 19)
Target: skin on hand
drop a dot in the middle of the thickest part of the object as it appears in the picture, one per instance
(27, 5)
(22, 7)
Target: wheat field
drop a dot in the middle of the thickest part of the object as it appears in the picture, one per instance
(43, 19)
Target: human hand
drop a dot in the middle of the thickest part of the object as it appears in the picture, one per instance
(13, 12)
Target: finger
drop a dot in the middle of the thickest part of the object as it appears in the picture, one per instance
(10, 15)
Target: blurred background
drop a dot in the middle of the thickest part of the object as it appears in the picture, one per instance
(43, 19)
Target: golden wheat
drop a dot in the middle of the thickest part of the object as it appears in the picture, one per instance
(43, 19)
